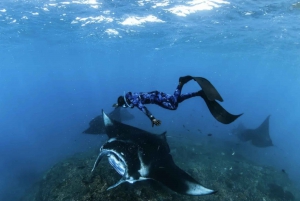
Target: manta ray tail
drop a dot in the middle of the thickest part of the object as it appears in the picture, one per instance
(177, 180)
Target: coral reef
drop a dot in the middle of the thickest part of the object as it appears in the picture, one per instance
(234, 177)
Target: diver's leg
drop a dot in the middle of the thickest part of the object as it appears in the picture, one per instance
(182, 81)
(177, 92)
(177, 97)
(169, 105)
(183, 97)
(167, 101)
(171, 101)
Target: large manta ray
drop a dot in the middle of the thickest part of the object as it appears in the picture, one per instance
(140, 155)
(259, 137)
(96, 125)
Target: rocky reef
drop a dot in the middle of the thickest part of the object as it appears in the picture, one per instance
(234, 177)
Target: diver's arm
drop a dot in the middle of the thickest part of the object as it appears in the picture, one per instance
(145, 111)
(149, 115)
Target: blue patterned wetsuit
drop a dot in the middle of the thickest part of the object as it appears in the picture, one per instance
(155, 97)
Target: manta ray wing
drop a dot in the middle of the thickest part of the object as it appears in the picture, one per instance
(96, 125)
(246, 135)
(261, 135)
(169, 174)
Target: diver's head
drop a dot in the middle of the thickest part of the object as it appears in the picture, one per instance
(120, 102)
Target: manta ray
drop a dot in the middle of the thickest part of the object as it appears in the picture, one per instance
(139, 155)
(259, 137)
(96, 125)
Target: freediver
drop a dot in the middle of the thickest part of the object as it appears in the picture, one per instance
(168, 101)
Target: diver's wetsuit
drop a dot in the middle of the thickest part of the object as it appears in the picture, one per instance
(155, 97)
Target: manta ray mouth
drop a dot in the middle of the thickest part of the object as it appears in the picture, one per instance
(117, 163)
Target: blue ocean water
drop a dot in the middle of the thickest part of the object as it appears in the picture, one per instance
(61, 62)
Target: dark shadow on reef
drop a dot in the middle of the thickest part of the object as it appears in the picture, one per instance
(234, 177)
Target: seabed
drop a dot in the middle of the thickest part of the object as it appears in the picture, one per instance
(213, 166)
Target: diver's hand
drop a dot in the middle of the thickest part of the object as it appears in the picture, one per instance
(156, 122)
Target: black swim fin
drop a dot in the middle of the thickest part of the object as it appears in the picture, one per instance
(218, 111)
(209, 90)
